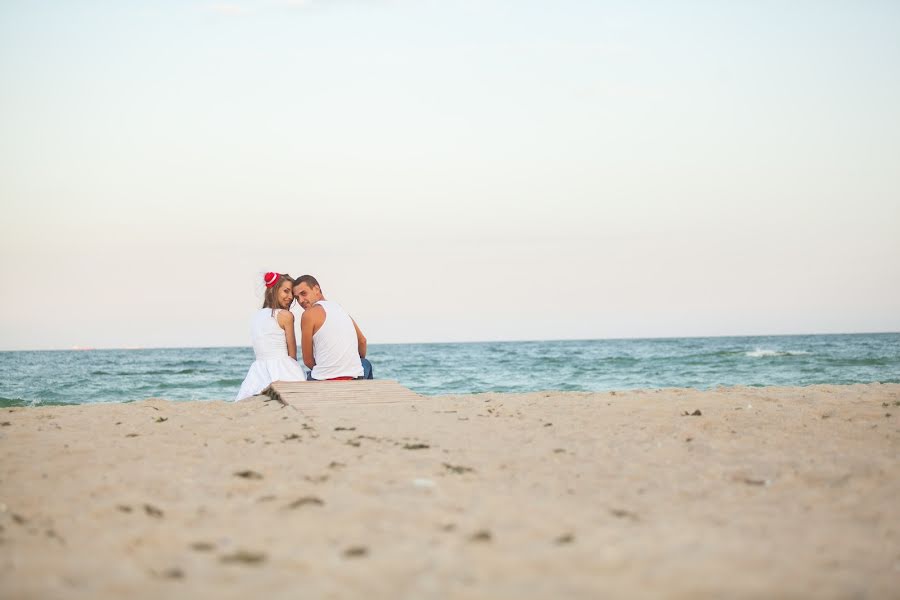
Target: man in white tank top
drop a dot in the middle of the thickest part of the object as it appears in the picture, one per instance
(330, 340)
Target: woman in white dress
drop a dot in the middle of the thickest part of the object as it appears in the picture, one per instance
(274, 341)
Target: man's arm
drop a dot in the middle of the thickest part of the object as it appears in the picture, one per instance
(360, 340)
(310, 322)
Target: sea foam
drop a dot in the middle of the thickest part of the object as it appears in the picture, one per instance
(764, 352)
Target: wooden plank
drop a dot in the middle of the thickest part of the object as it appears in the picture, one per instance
(329, 393)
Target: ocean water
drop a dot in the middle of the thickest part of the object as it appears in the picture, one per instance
(84, 376)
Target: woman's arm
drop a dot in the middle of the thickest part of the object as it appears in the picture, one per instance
(286, 322)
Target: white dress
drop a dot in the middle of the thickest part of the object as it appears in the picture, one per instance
(272, 361)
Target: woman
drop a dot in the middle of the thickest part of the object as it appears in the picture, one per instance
(274, 342)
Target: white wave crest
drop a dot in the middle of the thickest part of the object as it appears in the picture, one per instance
(765, 352)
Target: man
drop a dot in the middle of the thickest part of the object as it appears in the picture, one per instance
(330, 340)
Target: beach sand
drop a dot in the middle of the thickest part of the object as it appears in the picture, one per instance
(764, 492)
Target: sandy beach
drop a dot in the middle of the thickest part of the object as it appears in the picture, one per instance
(737, 493)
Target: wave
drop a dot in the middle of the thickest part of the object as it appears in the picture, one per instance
(167, 372)
(859, 362)
(21, 402)
(13, 402)
(766, 353)
(188, 363)
(190, 384)
(139, 373)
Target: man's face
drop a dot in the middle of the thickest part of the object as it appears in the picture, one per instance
(307, 296)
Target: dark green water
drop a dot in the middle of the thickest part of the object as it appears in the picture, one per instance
(76, 377)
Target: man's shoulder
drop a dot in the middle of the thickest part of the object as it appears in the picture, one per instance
(313, 313)
(332, 305)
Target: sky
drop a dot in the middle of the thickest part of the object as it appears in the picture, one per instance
(451, 170)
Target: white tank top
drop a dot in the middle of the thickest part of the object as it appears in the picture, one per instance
(335, 348)
(267, 335)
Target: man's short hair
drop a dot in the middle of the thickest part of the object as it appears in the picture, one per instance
(308, 280)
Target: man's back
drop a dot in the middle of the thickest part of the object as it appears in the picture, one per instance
(335, 344)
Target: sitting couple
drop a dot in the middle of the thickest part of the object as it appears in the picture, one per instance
(333, 347)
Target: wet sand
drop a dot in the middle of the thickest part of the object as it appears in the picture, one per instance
(737, 493)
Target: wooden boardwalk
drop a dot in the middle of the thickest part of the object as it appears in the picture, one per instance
(312, 394)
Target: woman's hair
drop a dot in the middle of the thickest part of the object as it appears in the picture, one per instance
(269, 297)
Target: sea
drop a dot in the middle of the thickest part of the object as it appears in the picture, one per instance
(34, 378)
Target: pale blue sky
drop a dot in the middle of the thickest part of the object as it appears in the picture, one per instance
(449, 170)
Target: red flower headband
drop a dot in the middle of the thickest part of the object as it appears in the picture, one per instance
(271, 278)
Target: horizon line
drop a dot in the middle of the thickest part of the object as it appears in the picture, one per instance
(505, 341)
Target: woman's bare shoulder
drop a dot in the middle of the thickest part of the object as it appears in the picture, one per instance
(285, 316)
